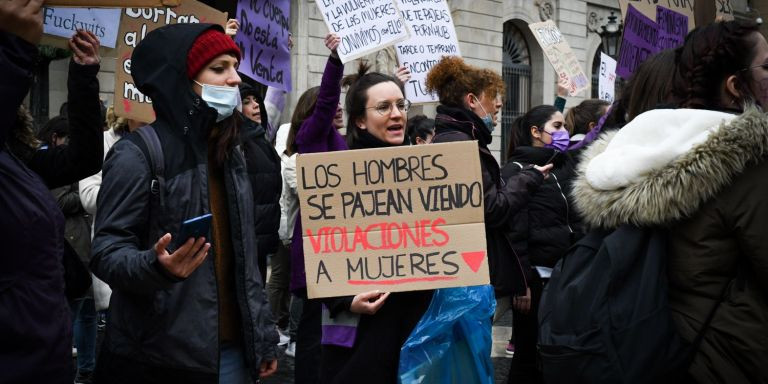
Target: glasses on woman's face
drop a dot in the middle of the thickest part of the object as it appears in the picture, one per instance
(385, 107)
(763, 66)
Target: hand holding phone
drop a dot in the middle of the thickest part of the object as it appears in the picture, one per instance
(194, 228)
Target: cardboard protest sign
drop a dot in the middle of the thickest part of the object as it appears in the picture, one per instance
(432, 37)
(607, 80)
(648, 8)
(135, 24)
(393, 219)
(112, 3)
(673, 28)
(263, 40)
(641, 35)
(363, 26)
(560, 55)
(64, 22)
(723, 10)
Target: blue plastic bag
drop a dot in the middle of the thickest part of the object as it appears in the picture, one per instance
(452, 341)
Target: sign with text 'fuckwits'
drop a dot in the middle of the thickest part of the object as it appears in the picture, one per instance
(392, 219)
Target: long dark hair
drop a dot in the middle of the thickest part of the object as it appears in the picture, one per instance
(357, 96)
(521, 127)
(304, 107)
(224, 136)
(711, 54)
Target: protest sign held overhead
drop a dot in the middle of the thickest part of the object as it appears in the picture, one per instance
(364, 26)
(644, 37)
(393, 219)
(607, 81)
(560, 55)
(134, 25)
(723, 10)
(432, 37)
(648, 8)
(263, 40)
(112, 3)
(64, 22)
(673, 27)
(640, 39)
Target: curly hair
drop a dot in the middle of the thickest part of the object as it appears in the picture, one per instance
(711, 54)
(453, 79)
(357, 96)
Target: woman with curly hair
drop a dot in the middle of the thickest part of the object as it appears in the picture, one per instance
(700, 169)
(470, 99)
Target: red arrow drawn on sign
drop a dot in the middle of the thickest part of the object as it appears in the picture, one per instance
(473, 259)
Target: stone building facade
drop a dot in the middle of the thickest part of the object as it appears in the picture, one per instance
(492, 34)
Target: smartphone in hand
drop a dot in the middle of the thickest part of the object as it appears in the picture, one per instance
(551, 159)
(196, 227)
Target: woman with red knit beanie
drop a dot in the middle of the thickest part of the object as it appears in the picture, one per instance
(186, 310)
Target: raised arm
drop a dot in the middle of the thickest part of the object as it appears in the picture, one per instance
(318, 126)
(83, 156)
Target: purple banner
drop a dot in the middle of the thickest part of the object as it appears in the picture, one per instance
(673, 27)
(263, 41)
(641, 35)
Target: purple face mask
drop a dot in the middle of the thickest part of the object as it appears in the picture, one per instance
(560, 140)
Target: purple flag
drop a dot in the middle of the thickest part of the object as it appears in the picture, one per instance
(640, 40)
(673, 27)
(263, 41)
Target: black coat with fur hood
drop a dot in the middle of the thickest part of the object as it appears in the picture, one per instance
(502, 199)
(703, 175)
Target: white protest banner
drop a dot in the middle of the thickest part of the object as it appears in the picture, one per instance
(560, 55)
(364, 26)
(723, 10)
(64, 22)
(432, 37)
(607, 82)
(648, 8)
(394, 219)
(263, 40)
(134, 25)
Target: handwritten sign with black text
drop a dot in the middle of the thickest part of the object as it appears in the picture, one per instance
(432, 37)
(364, 26)
(394, 219)
(263, 40)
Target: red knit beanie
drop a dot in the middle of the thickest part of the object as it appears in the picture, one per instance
(207, 47)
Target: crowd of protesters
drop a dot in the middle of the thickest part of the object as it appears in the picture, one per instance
(683, 149)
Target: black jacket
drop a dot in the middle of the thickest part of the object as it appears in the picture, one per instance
(502, 201)
(162, 329)
(548, 225)
(263, 166)
(35, 331)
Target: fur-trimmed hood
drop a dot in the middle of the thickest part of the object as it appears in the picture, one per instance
(662, 166)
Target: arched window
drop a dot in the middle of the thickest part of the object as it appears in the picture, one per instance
(516, 72)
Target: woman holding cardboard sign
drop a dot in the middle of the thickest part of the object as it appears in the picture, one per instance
(178, 313)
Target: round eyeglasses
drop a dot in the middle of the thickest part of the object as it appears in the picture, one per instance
(385, 107)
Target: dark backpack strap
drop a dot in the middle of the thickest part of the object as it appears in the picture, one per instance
(157, 167)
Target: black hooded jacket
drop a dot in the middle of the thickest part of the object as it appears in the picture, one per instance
(503, 198)
(163, 329)
(263, 166)
(548, 225)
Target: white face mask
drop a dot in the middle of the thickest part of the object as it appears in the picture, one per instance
(221, 98)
